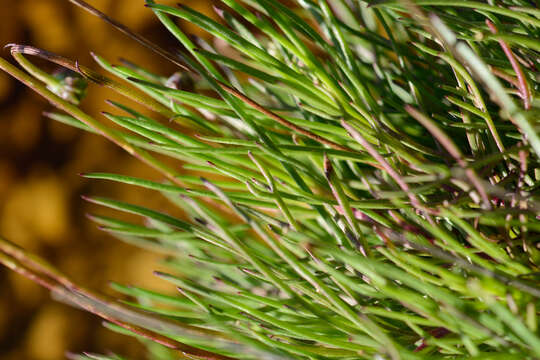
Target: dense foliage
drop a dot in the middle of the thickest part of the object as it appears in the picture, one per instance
(359, 180)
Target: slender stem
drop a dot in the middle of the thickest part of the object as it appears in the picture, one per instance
(17, 50)
(386, 166)
(38, 270)
(452, 149)
(90, 121)
(523, 86)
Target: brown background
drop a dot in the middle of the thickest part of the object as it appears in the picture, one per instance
(40, 204)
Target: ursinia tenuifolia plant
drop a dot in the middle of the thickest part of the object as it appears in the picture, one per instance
(358, 180)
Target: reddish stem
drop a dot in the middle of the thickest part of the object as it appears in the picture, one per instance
(523, 86)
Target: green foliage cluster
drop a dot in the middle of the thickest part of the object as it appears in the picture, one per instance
(370, 180)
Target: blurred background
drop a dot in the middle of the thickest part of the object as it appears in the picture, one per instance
(40, 204)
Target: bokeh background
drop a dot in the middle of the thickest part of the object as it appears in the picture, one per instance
(40, 204)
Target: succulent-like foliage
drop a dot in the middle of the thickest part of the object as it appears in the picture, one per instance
(369, 183)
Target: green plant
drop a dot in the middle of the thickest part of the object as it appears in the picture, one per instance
(373, 182)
